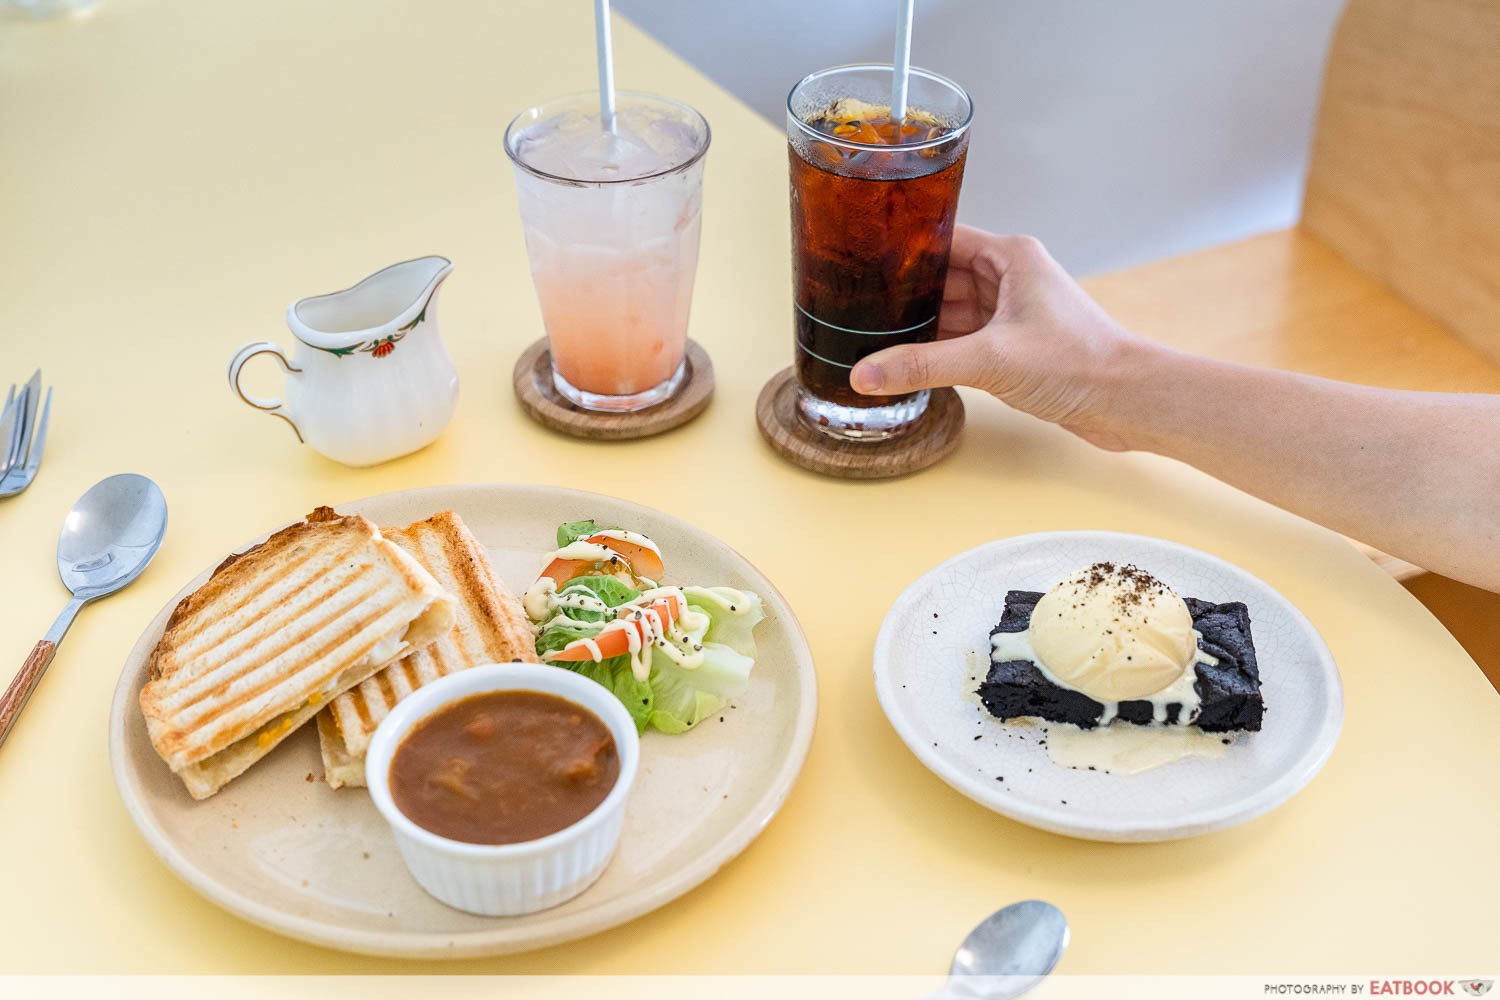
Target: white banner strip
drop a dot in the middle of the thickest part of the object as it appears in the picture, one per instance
(1061, 987)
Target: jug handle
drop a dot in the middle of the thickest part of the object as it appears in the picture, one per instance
(275, 407)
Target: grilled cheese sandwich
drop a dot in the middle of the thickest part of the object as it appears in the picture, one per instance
(276, 633)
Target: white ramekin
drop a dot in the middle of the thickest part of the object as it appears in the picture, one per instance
(507, 879)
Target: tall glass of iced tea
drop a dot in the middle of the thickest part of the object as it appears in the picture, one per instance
(873, 205)
(612, 217)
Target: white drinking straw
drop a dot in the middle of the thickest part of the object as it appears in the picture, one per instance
(902, 71)
(606, 64)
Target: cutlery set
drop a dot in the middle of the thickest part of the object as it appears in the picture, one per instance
(107, 538)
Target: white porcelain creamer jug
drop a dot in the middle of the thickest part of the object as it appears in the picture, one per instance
(370, 378)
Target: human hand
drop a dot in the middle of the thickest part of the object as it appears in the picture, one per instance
(1015, 325)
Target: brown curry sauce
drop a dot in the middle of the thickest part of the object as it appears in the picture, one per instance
(504, 767)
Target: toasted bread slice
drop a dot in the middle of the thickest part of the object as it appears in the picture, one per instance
(277, 632)
(488, 627)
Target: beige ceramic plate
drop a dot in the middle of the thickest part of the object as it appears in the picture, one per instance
(292, 855)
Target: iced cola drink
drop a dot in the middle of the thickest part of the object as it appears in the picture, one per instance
(612, 217)
(873, 207)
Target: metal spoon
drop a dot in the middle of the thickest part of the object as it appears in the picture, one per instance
(1009, 952)
(108, 538)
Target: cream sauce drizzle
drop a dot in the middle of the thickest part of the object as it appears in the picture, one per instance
(1006, 646)
(1126, 748)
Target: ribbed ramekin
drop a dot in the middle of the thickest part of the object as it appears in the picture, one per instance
(506, 879)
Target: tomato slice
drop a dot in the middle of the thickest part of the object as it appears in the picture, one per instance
(643, 561)
(560, 571)
(616, 641)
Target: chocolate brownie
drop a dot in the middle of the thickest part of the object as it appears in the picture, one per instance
(1229, 690)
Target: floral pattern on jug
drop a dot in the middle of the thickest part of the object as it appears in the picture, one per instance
(381, 347)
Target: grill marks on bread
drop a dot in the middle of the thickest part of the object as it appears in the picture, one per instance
(275, 633)
(489, 627)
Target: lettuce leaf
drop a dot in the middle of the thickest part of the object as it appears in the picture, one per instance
(638, 697)
(732, 615)
(611, 590)
(571, 531)
(561, 631)
(685, 698)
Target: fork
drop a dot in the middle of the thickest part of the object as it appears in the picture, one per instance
(10, 429)
(23, 435)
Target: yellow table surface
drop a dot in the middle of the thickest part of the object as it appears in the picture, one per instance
(176, 173)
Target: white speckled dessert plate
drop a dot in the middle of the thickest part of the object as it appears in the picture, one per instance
(927, 669)
(280, 848)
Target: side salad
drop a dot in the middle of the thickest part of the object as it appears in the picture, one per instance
(672, 655)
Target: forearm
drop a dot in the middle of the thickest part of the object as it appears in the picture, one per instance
(1416, 474)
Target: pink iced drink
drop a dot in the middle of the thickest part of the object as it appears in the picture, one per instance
(612, 224)
(616, 316)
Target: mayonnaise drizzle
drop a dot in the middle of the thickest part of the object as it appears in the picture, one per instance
(583, 551)
(633, 537)
(581, 600)
(646, 633)
(541, 598)
(734, 602)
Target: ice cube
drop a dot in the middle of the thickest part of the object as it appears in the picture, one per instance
(674, 140)
(622, 155)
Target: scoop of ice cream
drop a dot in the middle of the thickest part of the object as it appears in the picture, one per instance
(1114, 633)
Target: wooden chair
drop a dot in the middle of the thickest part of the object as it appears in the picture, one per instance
(1405, 177)
(1393, 276)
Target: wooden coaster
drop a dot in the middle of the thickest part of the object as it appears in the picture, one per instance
(542, 402)
(936, 435)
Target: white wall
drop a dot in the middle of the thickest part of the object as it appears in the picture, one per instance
(1116, 130)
